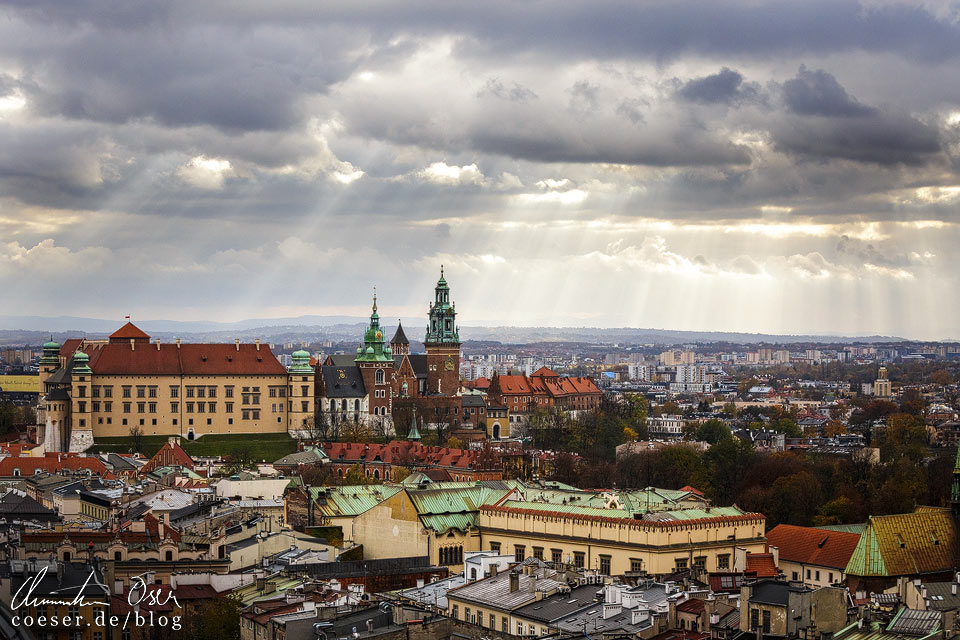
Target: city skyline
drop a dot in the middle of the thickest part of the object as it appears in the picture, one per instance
(760, 168)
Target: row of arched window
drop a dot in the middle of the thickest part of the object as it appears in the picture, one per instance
(451, 555)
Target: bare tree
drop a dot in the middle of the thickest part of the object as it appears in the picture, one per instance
(136, 439)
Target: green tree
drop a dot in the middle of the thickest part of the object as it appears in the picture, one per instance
(713, 431)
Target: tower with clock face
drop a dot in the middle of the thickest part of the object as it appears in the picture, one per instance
(375, 361)
(442, 343)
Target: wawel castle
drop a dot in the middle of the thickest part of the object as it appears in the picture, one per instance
(106, 388)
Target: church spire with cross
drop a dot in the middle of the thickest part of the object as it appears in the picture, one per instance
(374, 347)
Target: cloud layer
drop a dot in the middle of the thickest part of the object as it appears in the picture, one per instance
(776, 167)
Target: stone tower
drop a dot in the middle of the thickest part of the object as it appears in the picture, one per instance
(300, 382)
(442, 343)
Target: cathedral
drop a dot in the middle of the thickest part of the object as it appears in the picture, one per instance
(364, 387)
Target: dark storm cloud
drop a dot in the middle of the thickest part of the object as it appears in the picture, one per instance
(817, 93)
(828, 122)
(725, 87)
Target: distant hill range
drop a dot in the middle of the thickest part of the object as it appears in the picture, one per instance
(37, 329)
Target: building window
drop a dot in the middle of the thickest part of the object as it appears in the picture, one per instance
(766, 621)
(818, 576)
(700, 563)
(141, 407)
(538, 553)
(578, 559)
(754, 619)
(636, 565)
(808, 574)
(519, 552)
(211, 392)
(189, 392)
(201, 392)
(228, 392)
(189, 407)
(256, 414)
(211, 407)
(455, 611)
(126, 407)
(141, 392)
(108, 407)
(681, 564)
(174, 392)
(723, 561)
(495, 547)
(556, 556)
(228, 407)
(605, 565)
(126, 392)
(174, 407)
(152, 392)
(504, 624)
(493, 621)
(152, 407)
(108, 392)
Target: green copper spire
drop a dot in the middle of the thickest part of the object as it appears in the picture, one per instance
(301, 362)
(442, 327)
(413, 434)
(81, 363)
(375, 347)
(51, 353)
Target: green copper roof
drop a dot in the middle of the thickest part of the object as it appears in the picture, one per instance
(54, 346)
(350, 500)
(301, 362)
(81, 363)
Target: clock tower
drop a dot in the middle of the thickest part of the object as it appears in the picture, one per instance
(442, 343)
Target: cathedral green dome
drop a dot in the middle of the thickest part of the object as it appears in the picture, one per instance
(51, 346)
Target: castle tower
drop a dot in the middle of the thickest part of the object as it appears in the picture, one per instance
(300, 403)
(81, 419)
(375, 360)
(442, 343)
(49, 362)
(399, 343)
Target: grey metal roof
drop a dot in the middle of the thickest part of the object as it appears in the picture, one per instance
(342, 360)
(473, 400)
(435, 593)
(914, 622)
(495, 591)
(399, 337)
(771, 592)
(343, 381)
(941, 596)
(561, 605)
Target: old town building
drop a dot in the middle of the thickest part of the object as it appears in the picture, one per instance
(105, 388)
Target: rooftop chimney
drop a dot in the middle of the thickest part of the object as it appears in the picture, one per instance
(257, 342)
(236, 342)
(158, 344)
(514, 582)
(133, 344)
(178, 343)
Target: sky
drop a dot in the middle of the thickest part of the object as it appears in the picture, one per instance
(785, 167)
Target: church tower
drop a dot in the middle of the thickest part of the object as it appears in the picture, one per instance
(442, 343)
(375, 361)
(400, 343)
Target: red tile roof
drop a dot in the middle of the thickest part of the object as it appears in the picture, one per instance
(51, 463)
(691, 490)
(123, 358)
(402, 452)
(762, 565)
(129, 331)
(693, 605)
(169, 454)
(809, 545)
